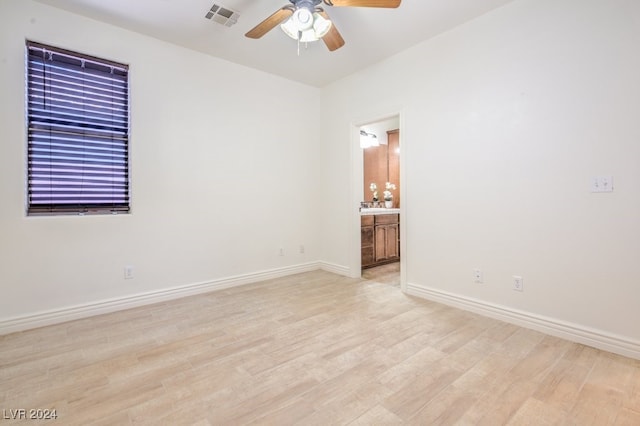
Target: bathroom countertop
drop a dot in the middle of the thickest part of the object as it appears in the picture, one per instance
(376, 211)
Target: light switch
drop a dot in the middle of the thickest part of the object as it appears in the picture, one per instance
(602, 184)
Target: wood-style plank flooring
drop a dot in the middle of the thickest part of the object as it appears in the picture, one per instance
(385, 274)
(311, 349)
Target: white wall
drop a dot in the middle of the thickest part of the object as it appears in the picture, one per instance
(504, 121)
(223, 172)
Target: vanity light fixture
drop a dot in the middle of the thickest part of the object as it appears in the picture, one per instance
(368, 139)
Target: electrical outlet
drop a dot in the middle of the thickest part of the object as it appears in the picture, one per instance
(301, 249)
(281, 252)
(477, 276)
(517, 283)
(128, 272)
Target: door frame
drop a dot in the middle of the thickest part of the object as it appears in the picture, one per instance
(357, 183)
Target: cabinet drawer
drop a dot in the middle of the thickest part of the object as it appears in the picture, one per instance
(366, 220)
(383, 219)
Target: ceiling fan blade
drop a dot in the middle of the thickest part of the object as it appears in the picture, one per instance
(268, 24)
(392, 4)
(332, 39)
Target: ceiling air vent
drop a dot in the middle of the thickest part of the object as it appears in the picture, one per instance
(222, 15)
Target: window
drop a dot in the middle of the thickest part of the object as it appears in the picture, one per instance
(78, 133)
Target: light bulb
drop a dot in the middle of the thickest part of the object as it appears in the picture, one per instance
(303, 19)
(321, 26)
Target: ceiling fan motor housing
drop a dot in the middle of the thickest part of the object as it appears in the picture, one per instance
(310, 5)
(306, 3)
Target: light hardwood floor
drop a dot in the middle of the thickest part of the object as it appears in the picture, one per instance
(311, 349)
(384, 274)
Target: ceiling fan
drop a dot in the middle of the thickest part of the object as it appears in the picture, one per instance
(305, 21)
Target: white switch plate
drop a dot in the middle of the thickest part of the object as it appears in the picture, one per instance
(602, 184)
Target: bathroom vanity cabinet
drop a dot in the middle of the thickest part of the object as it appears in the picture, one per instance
(380, 238)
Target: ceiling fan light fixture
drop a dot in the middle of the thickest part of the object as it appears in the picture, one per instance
(300, 16)
(303, 19)
(307, 36)
(305, 26)
(290, 29)
(321, 26)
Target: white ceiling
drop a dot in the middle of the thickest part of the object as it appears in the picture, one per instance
(371, 34)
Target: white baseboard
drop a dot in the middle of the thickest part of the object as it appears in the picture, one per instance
(336, 269)
(573, 332)
(65, 314)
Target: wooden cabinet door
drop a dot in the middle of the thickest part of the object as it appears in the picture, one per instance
(381, 243)
(393, 242)
(387, 244)
(367, 254)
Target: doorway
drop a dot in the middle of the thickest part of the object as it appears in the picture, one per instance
(378, 173)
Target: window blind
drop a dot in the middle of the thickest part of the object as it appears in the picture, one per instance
(78, 132)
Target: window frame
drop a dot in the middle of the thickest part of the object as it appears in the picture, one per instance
(88, 141)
